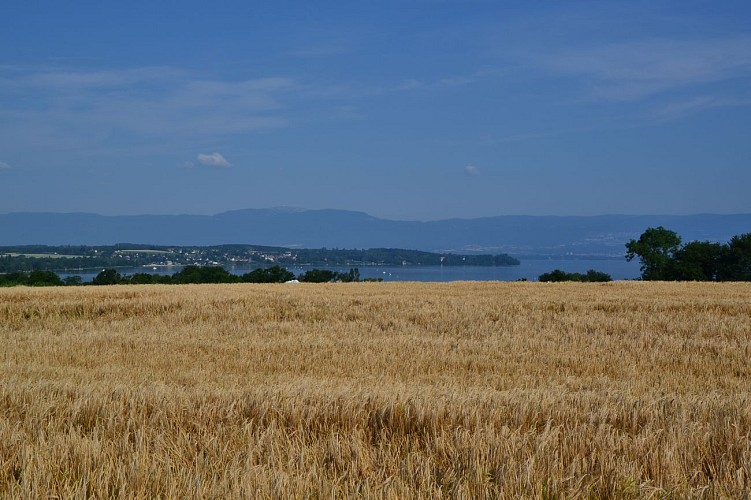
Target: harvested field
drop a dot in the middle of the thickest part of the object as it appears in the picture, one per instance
(376, 390)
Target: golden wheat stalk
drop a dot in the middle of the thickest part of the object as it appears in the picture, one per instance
(389, 390)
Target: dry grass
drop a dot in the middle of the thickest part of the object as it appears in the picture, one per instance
(463, 390)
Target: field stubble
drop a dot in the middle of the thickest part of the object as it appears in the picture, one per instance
(385, 390)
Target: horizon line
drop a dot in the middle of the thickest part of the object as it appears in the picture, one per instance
(298, 210)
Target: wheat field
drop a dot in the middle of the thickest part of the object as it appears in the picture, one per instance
(376, 390)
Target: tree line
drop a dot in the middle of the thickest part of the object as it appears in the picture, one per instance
(397, 257)
(660, 252)
(189, 274)
(664, 258)
(22, 263)
(217, 274)
(28, 258)
(590, 276)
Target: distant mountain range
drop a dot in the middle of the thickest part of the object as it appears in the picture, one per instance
(517, 235)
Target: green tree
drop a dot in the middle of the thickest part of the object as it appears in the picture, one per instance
(352, 276)
(279, 274)
(12, 279)
(554, 276)
(737, 265)
(273, 274)
(593, 276)
(204, 274)
(142, 279)
(107, 277)
(318, 276)
(698, 261)
(655, 249)
(43, 278)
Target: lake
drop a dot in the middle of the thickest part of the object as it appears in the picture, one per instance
(529, 269)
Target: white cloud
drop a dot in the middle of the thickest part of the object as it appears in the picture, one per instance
(79, 108)
(67, 106)
(472, 170)
(4, 166)
(255, 89)
(642, 68)
(213, 160)
(62, 80)
(323, 50)
(455, 81)
(680, 109)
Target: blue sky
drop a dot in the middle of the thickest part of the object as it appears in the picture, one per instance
(407, 110)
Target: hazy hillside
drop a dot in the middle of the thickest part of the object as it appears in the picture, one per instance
(345, 229)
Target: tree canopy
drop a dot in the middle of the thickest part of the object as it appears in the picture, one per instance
(34, 278)
(655, 249)
(663, 258)
(590, 276)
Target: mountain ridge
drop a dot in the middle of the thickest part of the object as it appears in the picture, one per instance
(602, 235)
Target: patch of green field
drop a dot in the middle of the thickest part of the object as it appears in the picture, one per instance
(43, 255)
(145, 251)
